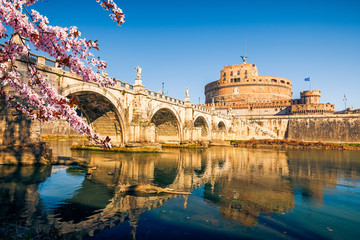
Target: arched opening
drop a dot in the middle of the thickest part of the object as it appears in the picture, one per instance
(221, 126)
(201, 122)
(167, 126)
(100, 114)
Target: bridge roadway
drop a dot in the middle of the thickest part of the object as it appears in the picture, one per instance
(131, 113)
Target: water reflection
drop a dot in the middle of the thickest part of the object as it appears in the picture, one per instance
(243, 184)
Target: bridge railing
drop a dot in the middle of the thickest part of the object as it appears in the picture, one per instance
(201, 108)
(164, 97)
(120, 84)
(38, 59)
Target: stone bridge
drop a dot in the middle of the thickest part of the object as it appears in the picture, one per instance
(130, 112)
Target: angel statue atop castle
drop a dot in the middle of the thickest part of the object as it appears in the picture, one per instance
(244, 58)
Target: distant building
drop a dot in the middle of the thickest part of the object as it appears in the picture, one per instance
(241, 91)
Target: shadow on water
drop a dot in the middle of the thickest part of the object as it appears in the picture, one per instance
(19, 196)
(247, 193)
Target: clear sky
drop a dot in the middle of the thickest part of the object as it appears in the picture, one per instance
(185, 43)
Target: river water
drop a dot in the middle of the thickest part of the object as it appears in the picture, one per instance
(236, 193)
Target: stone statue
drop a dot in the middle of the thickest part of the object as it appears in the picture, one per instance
(213, 101)
(104, 73)
(187, 98)
(244, 58)
(138, 72)
(236, 90)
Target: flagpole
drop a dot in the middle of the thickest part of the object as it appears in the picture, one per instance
(308, 80)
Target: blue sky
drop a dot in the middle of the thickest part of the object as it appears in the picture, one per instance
(186, 43)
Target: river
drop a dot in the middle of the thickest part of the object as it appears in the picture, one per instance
(236, 193)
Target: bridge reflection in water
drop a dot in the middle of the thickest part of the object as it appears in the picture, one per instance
(242, 183)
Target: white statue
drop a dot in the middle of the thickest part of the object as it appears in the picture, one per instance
(104, 73)
(186, 92)
(138, 72)
(236, 90)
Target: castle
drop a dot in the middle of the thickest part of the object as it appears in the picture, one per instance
(242, 91)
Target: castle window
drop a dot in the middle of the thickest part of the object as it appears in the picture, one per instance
(238, 73)
(245, 71)
(288, 83)
(231, 73)
(224, 74)
(282, 81)
(254, 80)
(273, 80)
(245, 76)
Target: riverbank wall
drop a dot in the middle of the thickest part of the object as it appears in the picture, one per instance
(329, 129)
(337, 128)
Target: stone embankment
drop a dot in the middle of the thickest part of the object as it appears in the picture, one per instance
(139, 148)
(186, 145)
(294, 144)
(344, 128)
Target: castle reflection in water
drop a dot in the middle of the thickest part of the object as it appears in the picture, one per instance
(242, 183)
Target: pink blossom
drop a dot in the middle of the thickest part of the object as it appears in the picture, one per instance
(63, 44)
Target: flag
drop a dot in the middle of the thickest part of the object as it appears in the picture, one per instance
(307, 79)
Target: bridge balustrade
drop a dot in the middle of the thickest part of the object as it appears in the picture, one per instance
(49, 62)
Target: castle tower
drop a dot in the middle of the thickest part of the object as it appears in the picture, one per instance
(243, 84)
(310, 97)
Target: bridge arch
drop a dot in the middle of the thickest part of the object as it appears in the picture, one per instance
(101, 108)
(221, 126)
(168, 125)
(200, 121)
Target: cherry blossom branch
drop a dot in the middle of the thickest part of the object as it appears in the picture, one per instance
(66, 46)
(117, 14)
